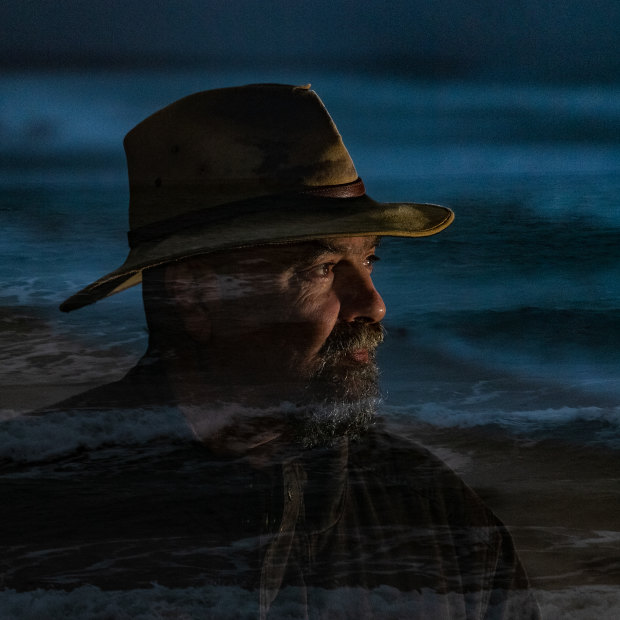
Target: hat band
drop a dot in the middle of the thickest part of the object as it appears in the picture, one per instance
(354, 189)
(150, 232)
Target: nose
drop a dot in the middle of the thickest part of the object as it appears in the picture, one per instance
(359, 299)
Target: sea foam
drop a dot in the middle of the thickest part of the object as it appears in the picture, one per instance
(40, 438)
(596, 602)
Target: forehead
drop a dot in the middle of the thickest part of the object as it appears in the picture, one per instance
(307, 250)
(342, 245)
(294, 253)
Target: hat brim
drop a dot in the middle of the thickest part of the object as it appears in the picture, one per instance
(305, 219)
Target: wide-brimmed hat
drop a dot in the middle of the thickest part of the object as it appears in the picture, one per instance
(245, 166)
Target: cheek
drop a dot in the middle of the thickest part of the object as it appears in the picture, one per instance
(313, 318)
(281, 324)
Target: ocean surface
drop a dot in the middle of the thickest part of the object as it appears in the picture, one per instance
(505, 323)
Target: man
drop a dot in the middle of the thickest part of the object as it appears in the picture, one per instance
(254, 240)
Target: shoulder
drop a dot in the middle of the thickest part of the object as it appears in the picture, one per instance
(142, 386)
(391, 453)
(420, 489)
(410, 471)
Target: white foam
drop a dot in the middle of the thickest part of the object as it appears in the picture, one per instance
(447, 415)
(224, 602)
(25, 439)
(596, 602)
(90, 603)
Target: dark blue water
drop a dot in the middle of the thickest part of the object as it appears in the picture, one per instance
(507, 320)
(523, 289)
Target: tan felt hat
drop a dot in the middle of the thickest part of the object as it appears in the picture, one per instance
(245, 166)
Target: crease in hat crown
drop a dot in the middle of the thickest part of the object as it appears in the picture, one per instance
(230, 144)
(241, 166)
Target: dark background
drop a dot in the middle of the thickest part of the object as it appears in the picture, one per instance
(532, 40)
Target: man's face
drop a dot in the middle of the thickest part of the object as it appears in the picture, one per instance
(291, 315)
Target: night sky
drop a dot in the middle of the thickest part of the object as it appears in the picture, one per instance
(557, 40)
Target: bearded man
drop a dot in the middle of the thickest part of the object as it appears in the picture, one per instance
(254, 241)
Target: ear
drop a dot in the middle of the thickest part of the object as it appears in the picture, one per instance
(193, 288)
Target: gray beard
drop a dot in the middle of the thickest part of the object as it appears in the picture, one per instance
(339, 401)
(335, 399)
(323, 425)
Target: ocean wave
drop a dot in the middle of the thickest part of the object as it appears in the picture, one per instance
(589, 425)
(591, 602)
(86, 108)
(41, 438)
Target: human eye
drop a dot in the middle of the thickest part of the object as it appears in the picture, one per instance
(369, 261)
(322, 271)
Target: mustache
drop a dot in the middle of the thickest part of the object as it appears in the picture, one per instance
(350, 336)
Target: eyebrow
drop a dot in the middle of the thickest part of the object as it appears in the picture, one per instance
(333, 245)
(318, 247)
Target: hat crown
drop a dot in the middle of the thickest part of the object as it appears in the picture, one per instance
(244, 166)
(220, 146)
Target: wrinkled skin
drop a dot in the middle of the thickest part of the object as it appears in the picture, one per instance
(295, 322)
